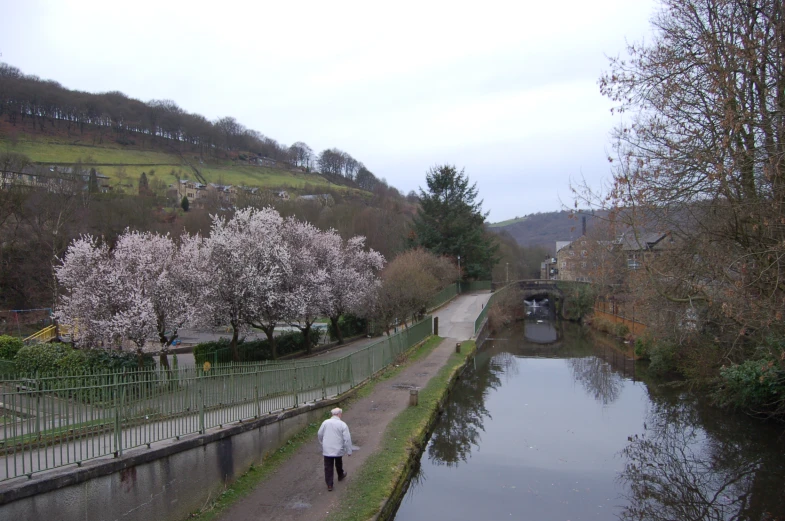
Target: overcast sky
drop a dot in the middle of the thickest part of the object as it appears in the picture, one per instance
(506, 90)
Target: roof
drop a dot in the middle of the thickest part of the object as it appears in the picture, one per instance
(642, 241)
(562, 244)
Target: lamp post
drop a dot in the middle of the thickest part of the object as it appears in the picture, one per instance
(507, 272)
(459, 273)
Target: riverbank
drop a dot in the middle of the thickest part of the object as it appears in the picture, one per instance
(383, 480)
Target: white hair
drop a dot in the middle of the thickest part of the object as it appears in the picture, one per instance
(336, 411)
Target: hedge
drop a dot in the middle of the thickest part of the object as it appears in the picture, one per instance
(349, 325)
(251, 351)
(56, 358)
(9, 346)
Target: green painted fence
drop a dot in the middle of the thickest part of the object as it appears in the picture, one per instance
(475, 285)
(482, 317)
(444, 296)
(52, 421)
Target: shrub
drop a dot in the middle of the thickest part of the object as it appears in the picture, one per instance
(663, 359)
(9, 346)
(61, 358)
(643, 346)
(621, 330)
(603, 325)
(350, 325)
(41, 358)
(251, 351)
(756, 385)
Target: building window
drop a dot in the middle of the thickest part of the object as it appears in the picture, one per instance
(563, 264)
(583, 264)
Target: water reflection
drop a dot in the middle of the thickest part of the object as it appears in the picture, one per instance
(461, 422)
(692, 464)
(540, 324)
(598, 377)
(519, 440)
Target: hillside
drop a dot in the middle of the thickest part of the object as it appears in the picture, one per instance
(124, 164)
(544, 229)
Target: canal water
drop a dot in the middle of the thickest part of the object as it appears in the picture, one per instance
(554, 423)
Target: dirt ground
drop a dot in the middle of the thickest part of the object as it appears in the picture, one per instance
(297, 491)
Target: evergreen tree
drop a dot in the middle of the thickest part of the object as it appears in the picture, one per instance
(185, 204)
(450, 222)
(144, 186)
(92, 185)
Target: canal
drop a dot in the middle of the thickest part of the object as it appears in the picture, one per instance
(553, 423)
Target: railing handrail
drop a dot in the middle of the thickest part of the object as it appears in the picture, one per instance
(101, 414)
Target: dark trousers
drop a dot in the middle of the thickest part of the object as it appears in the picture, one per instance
(329, 461)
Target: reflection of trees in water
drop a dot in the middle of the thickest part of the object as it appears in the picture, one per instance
(464, 412)
(685, 468)
(597, 377)
(416, 480)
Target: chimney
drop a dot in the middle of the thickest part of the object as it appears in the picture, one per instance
(583, 227)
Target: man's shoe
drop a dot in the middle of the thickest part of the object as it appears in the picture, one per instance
(329, 488)
(341, 476)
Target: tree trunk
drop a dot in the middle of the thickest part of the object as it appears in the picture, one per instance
(163, 359)
(307, 337)
(269, 330)
(233, 344)
(338, 332)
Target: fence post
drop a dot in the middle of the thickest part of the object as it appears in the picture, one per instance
(324, 384)
(200, 395)
(256, 397)
(296, 398)
(350, 358)
(38, 415)
(116, 416)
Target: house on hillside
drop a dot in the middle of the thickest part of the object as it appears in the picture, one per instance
(324, 199)
(56, 179)
(192, 190)
(222, 193)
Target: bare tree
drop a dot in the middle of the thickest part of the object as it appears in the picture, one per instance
(700, 156)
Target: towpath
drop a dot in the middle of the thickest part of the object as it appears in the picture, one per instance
(296, 491)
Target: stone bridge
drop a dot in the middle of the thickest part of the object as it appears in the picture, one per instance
(553, 290)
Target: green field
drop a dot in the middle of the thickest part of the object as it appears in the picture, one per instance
(113, 160)
(508, 222)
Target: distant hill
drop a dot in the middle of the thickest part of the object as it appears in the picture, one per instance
(544, 229)
(122, 137)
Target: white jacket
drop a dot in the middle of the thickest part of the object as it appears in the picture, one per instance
(335, 438)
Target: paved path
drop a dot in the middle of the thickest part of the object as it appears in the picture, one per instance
(296, 491)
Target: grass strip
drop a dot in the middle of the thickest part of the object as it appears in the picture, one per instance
(381, 472)
(246, 483)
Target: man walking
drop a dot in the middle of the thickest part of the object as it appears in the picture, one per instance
(336, 441)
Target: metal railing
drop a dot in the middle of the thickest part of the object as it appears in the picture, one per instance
(498, 294)
(45, 335)
(475, 285)
(443, 296)
(52, 421)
